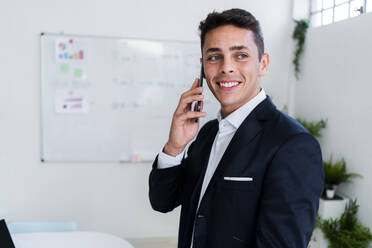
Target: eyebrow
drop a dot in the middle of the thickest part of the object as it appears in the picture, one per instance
(213, 49)
(233, 48)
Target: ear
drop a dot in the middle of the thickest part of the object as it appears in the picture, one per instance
(264, 64)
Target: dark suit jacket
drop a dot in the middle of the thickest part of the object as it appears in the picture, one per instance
(277, 209)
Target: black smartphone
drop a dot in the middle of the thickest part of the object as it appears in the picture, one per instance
(197, 106)
(200, 84)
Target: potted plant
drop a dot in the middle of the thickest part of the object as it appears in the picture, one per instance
(335, 174)
(346, 231)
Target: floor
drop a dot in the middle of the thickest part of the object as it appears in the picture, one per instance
(166, 242)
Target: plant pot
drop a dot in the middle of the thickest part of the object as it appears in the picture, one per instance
(332, 208)
(330, 191)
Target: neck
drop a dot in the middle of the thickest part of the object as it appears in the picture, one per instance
(226, 110)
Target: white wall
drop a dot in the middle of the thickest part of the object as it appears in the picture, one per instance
(106, 197)
(336, 84)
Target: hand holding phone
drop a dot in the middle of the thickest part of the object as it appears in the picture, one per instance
(183, 127)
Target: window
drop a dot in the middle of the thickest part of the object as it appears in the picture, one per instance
(369, 6)
(323, 12)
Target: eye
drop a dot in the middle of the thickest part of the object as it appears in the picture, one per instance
(242, 56)
(213, 57)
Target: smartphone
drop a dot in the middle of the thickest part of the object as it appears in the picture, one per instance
(198, 104)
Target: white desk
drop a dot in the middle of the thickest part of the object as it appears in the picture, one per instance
(69, 240)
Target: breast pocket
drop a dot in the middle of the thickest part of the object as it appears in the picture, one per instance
(239, 183)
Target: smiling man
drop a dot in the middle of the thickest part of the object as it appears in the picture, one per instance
(232, 66)
(253, 176)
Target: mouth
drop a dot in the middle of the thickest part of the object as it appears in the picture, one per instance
(228, 85)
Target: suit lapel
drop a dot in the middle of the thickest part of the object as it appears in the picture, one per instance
(250, 127)
(206, 147)
(204, 151)
(242, 138)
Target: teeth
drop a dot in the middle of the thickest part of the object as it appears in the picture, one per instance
(230, 84)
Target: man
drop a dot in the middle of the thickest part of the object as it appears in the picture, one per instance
(253, 177)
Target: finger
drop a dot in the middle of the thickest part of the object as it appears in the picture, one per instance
(192, 98)
(196, 83)
(193, 91)
(187, 101)
(192, 115)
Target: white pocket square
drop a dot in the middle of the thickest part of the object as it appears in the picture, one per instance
(249, 179)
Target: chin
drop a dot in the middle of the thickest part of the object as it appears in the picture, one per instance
(227, 104)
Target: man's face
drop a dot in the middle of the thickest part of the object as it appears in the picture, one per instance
(232, 67)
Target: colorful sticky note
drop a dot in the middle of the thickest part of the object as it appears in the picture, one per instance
(78, 73)
(65, 67)
(136, 158)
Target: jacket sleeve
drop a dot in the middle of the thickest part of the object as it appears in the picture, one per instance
(292, 187)
(166, 186)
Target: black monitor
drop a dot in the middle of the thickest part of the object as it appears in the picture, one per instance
(5, 238)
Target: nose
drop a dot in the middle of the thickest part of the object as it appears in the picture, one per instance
(227, 67)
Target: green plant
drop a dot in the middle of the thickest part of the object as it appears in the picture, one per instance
(299, 35)
(314, 127)
(335, 173)
(347, 231)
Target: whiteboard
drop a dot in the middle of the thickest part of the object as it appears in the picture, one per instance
(112, 99)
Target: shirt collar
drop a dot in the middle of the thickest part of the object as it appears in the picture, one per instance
(237, 117)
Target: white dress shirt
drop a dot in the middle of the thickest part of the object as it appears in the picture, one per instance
(226, 131)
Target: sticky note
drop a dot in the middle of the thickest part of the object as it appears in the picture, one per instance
(136, 158)
(78, 73)
(65, 67)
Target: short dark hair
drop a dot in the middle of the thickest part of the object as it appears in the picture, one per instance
(237, 17)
